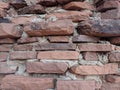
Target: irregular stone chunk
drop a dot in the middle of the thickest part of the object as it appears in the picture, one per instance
(4, 5)
(10, 30)
(60, 27)
(22, 55)
(75, 85)
(75, 16)
(7, 41)
(95, 47)
(3, 13)
(100, 28)
(115, 40)
(39, 67)
(5, 48)
(23, 47)
(84, 39)
(48, 2)
(55, 46)
(111, 68)
(113, 78)
(6, 69)
(58, 55)
(78, 6)
(114, 57)
(11, 82)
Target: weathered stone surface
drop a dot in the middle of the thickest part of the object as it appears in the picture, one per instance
(27, 40)
(34, 9)
(48, 2)
(58, 39)
(11, 82)
(111, 68)
(115, 40)
(55, 46)
(63, 1)
(4, 20)
(78, 6)
(66, 55)
(84, 39)
(113, 78)
(114, 57)
(6, 69)
(3, 57)
(90, 56)
(22, 55)
(110, 86)
(5, 48)
(40, 67)
(100, 28)
(31, 2)
(3, 13)
(60, 27)
(4, 5)
(75, 85)
(10, 30)
(75, 16)
(95, 47)
(7, 41)
(111, 14)
(22, 47)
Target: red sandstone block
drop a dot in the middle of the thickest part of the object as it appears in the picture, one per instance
(4, 5)
(11, 82)
(111, 68)
(113, 79)
(114, 57)
(7, 41)
(22, 55)
(62, 55)
(95, 47)
(40, 67)
(5, 48)
(3, 56)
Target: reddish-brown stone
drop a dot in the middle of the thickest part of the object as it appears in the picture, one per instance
(40, 67)
(111, 68)
(113, 78)
(27, 40)
(48, 2)
(58, 55)
(3, 57)
(75, 85)
(8, 30)
(5, 48)
(6, 69)
(100, 28)
(78, 6)
(90, 56)
(22, 47)
(114, 57)
(60, 27)
(115, 40)
(58, 39)
(95, 47)
(11, 82)
(4, 5)
(22, 55)
(63, 1)
(84, 39)
(7, 41)
(55, 46)
(75, 16)
(3, 13)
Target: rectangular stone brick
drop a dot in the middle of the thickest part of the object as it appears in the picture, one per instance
(7, 41)
(75, 85)
(40, 67)
(5, 48)
(11, 82)
(113, 78)
(6, 69)
(62, 55)
(114, 57)
(95, 47)
(55, 46)
(3, 56)
(22, 55)
(111, 68)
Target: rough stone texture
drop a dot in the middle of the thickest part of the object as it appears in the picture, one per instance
(90, 56)
(84, 39)
(22, 55)
(63, 1)
(3, 56)
(10, 30)
(60, 27)
(75, 85)
(75, 16)
(4, 5)
(48, 2)
(66, 55)
(111, 68)
(11, 82)
(113, 78)
(114, 57)
(58, 39)
(3, 13)
(6, 69)
(55, 46)
(39, 67)
(7, 41)
(115, 40)
(5, 48)
(78, 6)
(100, 28)
(95, 47)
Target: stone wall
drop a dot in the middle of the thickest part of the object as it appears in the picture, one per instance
(59, 45)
